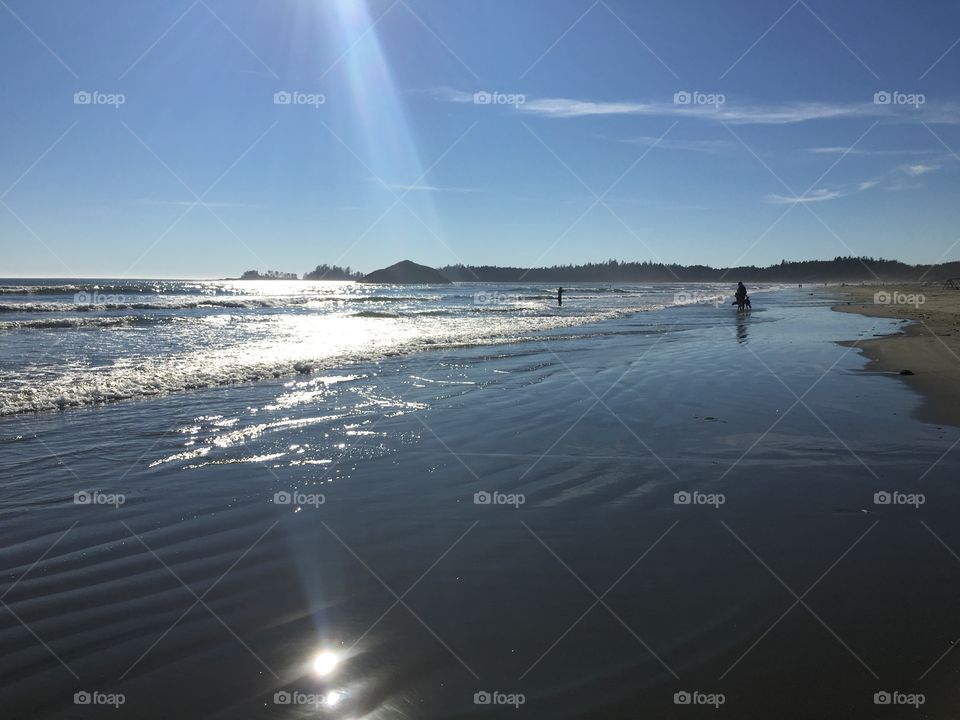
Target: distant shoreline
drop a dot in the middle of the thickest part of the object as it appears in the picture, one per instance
(928, 347)
(837, 270)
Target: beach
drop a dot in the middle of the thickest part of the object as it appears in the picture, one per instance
(455, 360)
(669, 512)
(927, 346)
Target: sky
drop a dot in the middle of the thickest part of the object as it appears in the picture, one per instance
(202, 138)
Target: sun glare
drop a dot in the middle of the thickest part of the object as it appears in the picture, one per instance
(325, 663)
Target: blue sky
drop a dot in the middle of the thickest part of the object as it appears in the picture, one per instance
(523, 132)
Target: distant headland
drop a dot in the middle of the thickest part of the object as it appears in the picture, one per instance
(840, 269)
(405, 272)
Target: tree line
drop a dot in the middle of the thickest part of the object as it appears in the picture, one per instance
(321, 272)
(840, 269)
(332, 272)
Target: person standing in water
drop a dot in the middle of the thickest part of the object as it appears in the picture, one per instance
(742, 299)
(559, 297)
(741, 293)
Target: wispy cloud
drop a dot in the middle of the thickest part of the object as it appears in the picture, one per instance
(820, 195)
(705, 146)
(731, 111)
(734, 115)
(824, 194)
(840, 150)
(918, 169)
(421, 187)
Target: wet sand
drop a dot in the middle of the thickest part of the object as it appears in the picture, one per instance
(927, 346)
(783, 587)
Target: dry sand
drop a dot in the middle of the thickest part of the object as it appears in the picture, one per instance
(928, 347)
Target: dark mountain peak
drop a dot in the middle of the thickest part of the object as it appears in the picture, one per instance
(407, 272)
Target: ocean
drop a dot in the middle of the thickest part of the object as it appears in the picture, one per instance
(83, 342)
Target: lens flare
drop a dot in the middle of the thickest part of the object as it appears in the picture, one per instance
(325, 663)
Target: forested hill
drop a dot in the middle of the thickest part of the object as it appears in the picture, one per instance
(840, 269)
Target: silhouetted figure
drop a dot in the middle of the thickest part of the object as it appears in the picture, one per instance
(560, 297)
(742, 299)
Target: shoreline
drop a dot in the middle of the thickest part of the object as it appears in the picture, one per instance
(926, 353)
